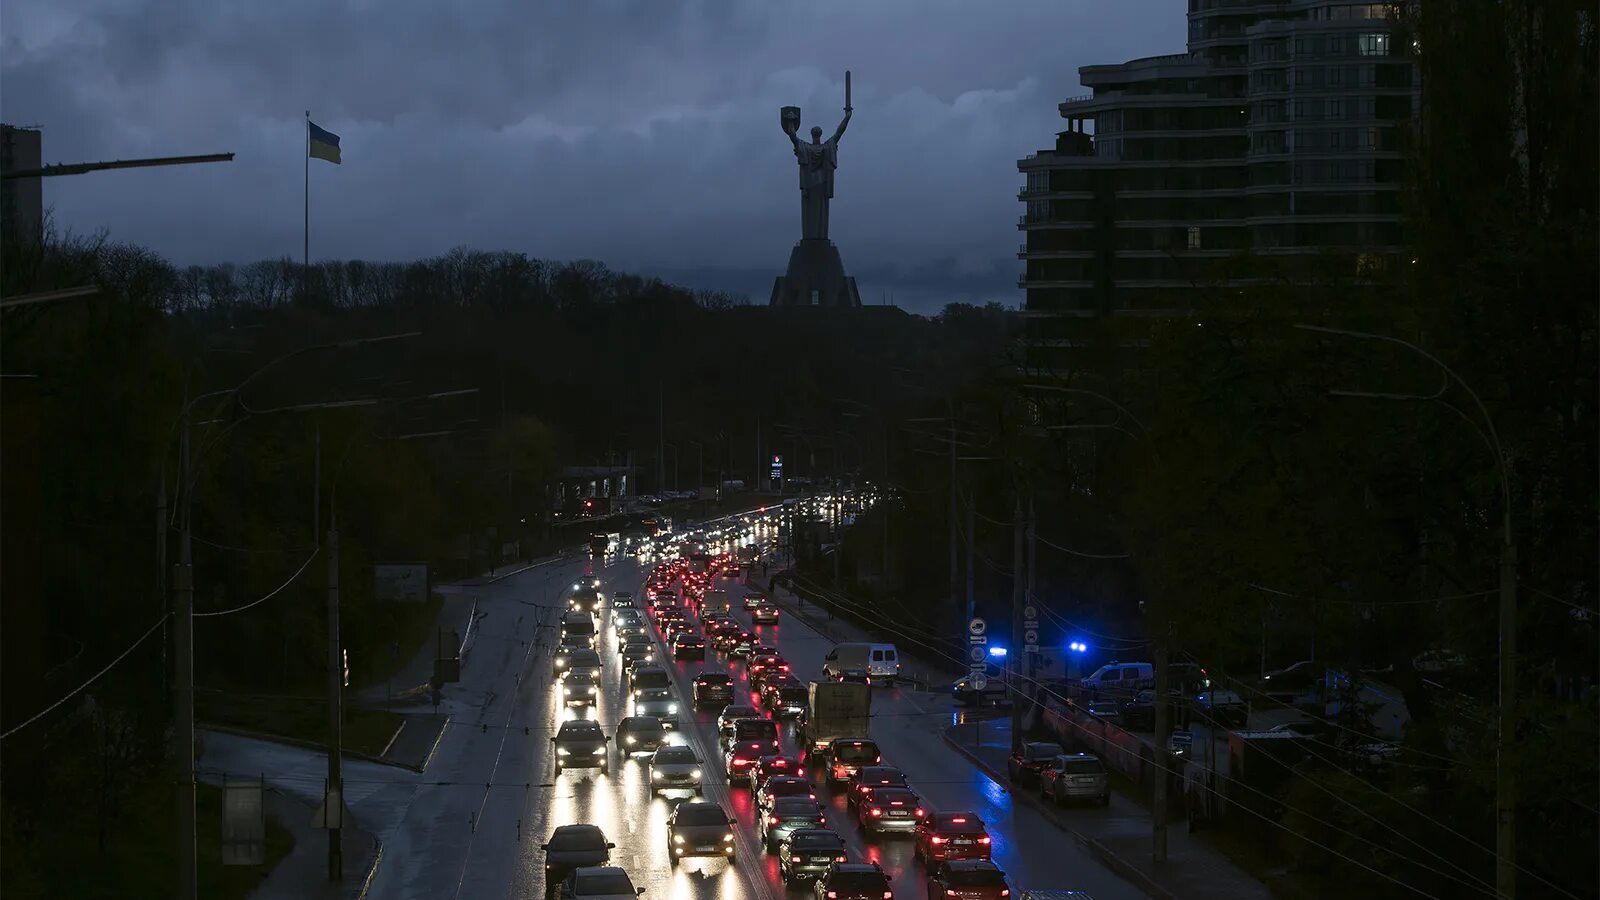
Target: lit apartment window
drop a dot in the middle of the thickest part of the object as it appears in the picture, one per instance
(1373, 44)
(1194, 237)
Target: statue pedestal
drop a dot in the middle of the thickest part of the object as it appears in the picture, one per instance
(815, 278)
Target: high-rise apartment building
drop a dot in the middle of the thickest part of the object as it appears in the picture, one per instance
(1278, 132)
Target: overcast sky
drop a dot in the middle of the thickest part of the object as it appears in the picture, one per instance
(644, 134)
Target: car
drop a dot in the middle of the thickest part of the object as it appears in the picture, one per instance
(753, 600)
(640, 734)
(845, 756)
(578, 689)
(676, 628)
(807, 853)
(952, 835)
(786, 815)
(889, 809)
(580, 744)
(731, 714)
(699, 828)
(1139, 713)
(689, 646)
(599, 883)
(713, 689)
(623, 617)
(724, 639)
(622, 600)
(783, 786)
(1313, 729)
(771, 666)
(1075, 776)
(738, 759)
(784, 695)
(743, 643)
(993, 692)
(762, 655)
(573, 847)
(768, 765)
(765, 614)
(970, 879)
(1030, 759)
(869, 777)
(638, 651)
(565, 651)
(851, 676)
(627, 631)
(853, 881)
(1224, 707)
(675, 767)
(642, 678)
(584, 599)
(756, 729)
(657, 702)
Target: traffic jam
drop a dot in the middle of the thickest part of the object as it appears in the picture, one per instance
(789, 756)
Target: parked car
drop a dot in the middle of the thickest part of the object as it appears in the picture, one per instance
(1224, 707)
(1030, 759)
(1075, 776)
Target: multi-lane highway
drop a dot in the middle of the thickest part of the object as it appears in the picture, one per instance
(471, 825)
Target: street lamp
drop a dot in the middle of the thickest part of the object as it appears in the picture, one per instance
(1505, 801)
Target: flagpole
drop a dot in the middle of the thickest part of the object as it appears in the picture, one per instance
(305, 260)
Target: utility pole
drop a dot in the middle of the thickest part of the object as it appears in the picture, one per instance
(972, 605)
(1031, 601)
(1505, 776)
(334, 803)
(955, 572)
(1016, 616)
(1158, 812)
(183, 673)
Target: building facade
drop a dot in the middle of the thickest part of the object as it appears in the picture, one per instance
(1278, 133)
(21, 199)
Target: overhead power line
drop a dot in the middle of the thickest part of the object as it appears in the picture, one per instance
(275, 591)
(91, 680)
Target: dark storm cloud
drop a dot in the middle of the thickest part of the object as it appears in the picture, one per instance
(644, 134)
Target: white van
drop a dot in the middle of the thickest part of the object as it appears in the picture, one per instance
(1121, 679)
(881, 661)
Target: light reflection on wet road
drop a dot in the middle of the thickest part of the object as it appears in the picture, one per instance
(500, 857)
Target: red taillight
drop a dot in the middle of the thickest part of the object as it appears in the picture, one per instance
(772, 820)
(919, 812)
(950, 893)
(838, 859)
(1005, 892)
(958, 820)
(876, 811)
(984, 839)
(833, 895)
(888, 895)
(822, 820)
(794, 860)
(937, 839)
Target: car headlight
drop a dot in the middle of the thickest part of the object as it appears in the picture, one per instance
(591, 690)
(677, 839)
(655, 775)
(672, 707)
(562, 751)
(695, 774)
(630, 740)
(728, 836)
(599, 751)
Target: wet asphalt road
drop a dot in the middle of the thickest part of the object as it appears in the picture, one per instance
(470, 827)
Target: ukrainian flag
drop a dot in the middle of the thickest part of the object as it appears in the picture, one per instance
(324, 144)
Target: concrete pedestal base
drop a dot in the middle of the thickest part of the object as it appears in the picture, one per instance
(815, 278)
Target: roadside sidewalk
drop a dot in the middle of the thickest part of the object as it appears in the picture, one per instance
(1120, 834)
(304, 872)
